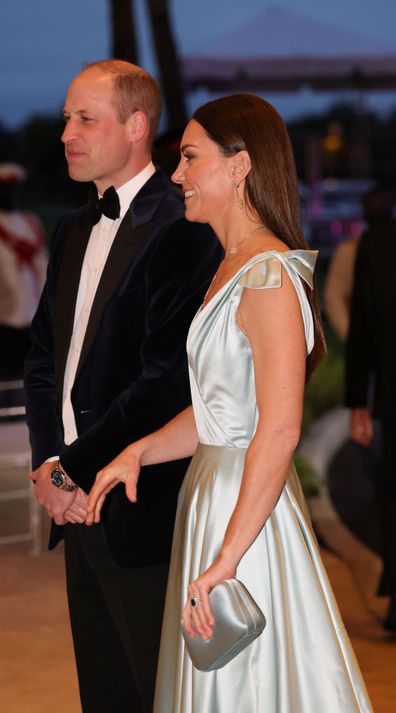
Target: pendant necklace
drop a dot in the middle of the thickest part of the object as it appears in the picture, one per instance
(234, 249)
(231, 251)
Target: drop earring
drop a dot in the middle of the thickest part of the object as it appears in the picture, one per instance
(239, 199)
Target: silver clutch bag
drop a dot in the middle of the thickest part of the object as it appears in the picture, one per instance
(238, 622)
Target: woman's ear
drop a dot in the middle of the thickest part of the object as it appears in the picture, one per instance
(240, 166)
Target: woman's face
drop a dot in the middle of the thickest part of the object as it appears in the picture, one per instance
(205, 176)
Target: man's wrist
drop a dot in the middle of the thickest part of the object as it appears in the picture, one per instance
(60, 480)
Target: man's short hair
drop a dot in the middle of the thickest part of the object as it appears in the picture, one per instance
(134, 90)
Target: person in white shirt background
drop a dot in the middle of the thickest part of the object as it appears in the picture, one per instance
(23, 262)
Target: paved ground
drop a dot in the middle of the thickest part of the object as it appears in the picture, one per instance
(354, 572)
(36, 661)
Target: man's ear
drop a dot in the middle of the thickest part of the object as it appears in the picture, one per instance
(240, 166)
(138, 126)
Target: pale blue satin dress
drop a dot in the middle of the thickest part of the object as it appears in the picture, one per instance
(303, 661)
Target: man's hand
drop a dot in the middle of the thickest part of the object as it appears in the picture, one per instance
(361, 426)
(55, 501)
(78, 511)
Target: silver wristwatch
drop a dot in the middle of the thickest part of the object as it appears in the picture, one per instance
(60, 480)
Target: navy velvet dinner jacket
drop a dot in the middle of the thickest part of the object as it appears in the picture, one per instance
(132, 376)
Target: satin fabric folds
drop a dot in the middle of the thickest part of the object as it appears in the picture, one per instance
(303, 661)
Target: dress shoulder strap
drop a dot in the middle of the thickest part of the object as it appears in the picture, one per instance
(265, 270)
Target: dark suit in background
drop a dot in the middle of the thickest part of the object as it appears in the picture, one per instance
(131, 378)
(371, 373)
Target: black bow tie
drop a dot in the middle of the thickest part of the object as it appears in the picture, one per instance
(109, 205)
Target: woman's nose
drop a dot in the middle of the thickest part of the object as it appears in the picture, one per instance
(178, 174)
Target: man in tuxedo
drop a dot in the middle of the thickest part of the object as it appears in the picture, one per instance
(370, 370)
(108, 365)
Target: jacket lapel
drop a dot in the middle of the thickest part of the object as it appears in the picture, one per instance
(130, 235)
(66, 292)
(122, 252)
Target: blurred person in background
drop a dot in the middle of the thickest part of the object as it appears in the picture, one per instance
(370, 370)
(23, 261)
(339, 282)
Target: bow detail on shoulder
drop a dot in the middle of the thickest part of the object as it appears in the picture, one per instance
(265, 270)
(303, 262)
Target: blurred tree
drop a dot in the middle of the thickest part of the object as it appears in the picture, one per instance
(123, 30)
(48, 189)
(8, 145)
(50, 192)
(361, 135)
(168, 62)
(124, 46)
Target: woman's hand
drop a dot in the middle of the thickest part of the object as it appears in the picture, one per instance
(123, 469)
(199, 619)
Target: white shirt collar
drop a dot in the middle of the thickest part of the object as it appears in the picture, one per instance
(131, 188)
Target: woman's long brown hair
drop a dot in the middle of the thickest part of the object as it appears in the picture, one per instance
(246, 122)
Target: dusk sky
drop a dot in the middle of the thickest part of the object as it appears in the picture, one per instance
(43, 44)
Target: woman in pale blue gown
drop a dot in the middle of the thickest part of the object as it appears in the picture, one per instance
(241, 512)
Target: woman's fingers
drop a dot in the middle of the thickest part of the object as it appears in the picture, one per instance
(197, 614)
(123, 469)
(201, 614)
(104, 482)
(131, 485)
(201, 622)
(187, 621)
(98, 507)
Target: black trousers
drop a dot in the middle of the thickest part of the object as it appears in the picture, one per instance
(116, 617)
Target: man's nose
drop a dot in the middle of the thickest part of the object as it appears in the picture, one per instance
(69, 132)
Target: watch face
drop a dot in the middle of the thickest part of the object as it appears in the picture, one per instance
(57, 478)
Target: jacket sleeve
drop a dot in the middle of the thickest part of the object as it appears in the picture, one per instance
(360, 345)
(177, 277)
(41, 397)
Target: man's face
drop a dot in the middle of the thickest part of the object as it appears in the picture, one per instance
(97, 145)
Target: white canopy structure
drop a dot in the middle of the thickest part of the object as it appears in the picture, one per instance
(281, 51)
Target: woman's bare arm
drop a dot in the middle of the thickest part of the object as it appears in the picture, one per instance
(177, 439)
(271, 318)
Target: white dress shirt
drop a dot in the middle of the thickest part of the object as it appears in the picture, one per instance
(98, 248)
